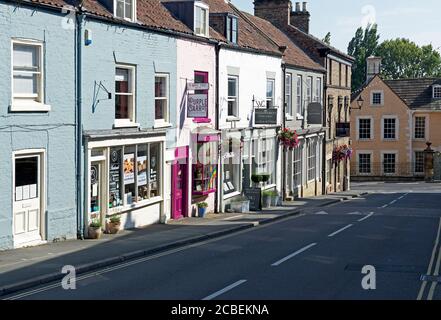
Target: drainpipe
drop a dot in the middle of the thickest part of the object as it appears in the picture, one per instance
(216, 126)
(79, 135)
(325, 105)
(283, 127)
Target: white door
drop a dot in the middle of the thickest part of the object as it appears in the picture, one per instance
(27, 199)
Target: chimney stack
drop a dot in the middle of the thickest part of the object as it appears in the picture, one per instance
(300, 17)
(275, 11)
(373, 67)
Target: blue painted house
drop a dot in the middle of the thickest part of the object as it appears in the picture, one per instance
(127, 70)
(37, 124)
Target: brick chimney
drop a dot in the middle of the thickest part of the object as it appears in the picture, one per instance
(300, 17)
(278, 12)
(373, 67)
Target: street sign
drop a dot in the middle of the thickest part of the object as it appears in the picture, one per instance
(265, 116)
(197, 106)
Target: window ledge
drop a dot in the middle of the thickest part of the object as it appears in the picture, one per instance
(162, 124)
(300, 117)
(270, 186)
(232, 195)
(289, 117)
(119, 125)
(232, 119)
(29, 107)
(134, 206)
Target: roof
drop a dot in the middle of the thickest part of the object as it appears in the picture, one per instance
(293, 54)
(416, 93)
(249, 35)
(311, 43)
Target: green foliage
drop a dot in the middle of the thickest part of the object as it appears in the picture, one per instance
(202, 205)
(115, 219)
(362, 46)
(327, 38)
(95, 223)
(403, 58)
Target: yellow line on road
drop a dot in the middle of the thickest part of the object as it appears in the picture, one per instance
(432, 259)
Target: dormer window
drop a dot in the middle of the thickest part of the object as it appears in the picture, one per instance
(437, 92)
(232, 29)
(125, 9)
(201, 19)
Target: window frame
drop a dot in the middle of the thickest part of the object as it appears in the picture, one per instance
(371, 119)
(271, 99)
(364, 153)
(165, 121)
(134, 12)
(383, 155)
(231, 34)
(203, 7)
(235, 98)
(30, 102)
(318, 90)
(415, 127)
(131, 121)
(309, 89)
(299, 97)
(383, 128)
(312, 158)
(436, 92)
(415, 158)
(288, 94)
(373, 92)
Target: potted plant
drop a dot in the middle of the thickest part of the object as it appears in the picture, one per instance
(275, 197)
(266, 199)
(202, 209)
(114, 224)
(256, 178)
(265, 177)
(94, 230)
(240, 204)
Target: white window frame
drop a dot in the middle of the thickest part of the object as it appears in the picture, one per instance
(318, 90)
(22, 102)
(312, 154)
(365, 152)
(426, 125)
(115, 4)
(272, 98)
(299, 97)
(288, 94)
(233, 98)
(436, 91)
(164, 122)
(309, 89)
(372, 128)
(202, 6)
(372, 98)
(397, 128)
(129, 122)
(383, 153)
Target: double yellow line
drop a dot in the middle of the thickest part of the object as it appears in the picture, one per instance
(436, 271)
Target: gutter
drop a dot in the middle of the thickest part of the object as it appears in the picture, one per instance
(325, 105)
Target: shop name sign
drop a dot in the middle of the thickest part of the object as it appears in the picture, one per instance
(265, 116)
(197, 106)
(198, 86)
(315, 113)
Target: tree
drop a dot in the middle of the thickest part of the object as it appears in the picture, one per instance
(327, 39)
(362, 46)
(402, 58)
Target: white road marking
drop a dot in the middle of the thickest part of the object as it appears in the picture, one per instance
(235, 217)
(385, 206)
(275, 264)
(392, 202)
(367, 217)
(220, 292)
(432, 260)
(436, 273)
(355, 213)
(341, 230)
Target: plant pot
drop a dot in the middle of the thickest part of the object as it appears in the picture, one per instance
(94, 233)
(113, 227)
(275, 201)
(202, 212)
(266, 202)
(240, 206)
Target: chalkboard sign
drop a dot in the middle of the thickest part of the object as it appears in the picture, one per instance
(265, 116)
(255, 197)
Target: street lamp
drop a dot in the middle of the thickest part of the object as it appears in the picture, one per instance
(360, 103)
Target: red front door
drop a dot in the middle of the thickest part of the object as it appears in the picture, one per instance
(179, 190)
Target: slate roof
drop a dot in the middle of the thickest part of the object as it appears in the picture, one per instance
(417, 93)
(293, 55)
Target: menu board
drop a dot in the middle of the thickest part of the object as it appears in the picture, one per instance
(114, 178)
(255, 197)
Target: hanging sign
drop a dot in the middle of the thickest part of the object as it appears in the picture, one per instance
(197, 106)
(198, 86)
(265, 116)
(315, 113)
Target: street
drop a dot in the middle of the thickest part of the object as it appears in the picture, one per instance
(316, 255)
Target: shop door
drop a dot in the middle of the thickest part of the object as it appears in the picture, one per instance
(97, 206)
(179, 190)
(27, 200)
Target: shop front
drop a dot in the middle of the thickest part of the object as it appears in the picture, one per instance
(125, 178)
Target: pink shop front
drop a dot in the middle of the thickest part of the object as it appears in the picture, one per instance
(194, 173)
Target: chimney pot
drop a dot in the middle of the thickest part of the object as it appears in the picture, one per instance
(297, 6)
(305, 6)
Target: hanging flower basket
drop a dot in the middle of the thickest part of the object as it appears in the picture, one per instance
(288, 138)
(341, 153)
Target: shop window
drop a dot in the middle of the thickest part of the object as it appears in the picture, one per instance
(115, 177)
(155, 162)
(297, 166)
(142, 167)
(129, 175)
(232, 168)
(95, 199)
(266, 158)
(312, 160)
(205, 168)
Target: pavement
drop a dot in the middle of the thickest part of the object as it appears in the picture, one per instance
(26, 268)
(381, 246)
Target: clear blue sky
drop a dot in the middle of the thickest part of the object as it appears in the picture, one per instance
(419, 21)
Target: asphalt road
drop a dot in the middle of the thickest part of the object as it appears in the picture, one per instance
(319, 255)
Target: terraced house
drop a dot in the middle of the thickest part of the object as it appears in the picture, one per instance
(37, 124)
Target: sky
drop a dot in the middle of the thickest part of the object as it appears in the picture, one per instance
(419, 21)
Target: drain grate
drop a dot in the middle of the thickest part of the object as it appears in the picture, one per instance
(429, 278)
